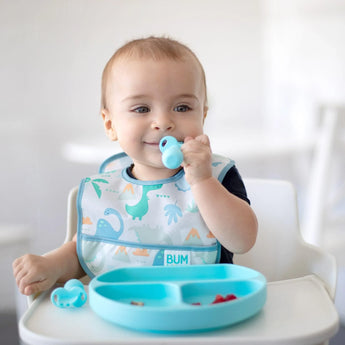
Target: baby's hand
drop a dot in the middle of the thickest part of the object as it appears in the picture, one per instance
(34, 273)
(197, 159)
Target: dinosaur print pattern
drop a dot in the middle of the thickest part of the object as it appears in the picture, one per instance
(124, 222)
(141, 208)
(105, 229)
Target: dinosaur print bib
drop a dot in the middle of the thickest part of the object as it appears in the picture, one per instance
(123, 221)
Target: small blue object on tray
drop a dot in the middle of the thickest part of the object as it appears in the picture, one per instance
(71, 295)
(177, 298)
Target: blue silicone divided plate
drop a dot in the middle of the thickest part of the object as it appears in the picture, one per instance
(168, 294)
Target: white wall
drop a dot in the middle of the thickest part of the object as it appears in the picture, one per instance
(304, 61)
(304, 64)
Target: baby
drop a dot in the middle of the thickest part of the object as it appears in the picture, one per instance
(136, 211)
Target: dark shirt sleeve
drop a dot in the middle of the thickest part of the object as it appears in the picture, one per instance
(233, 183)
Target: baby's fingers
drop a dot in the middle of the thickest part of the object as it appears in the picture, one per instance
(16, 272)
(23, 280)
(204, 139)
(17, 266)
(36, 287)
(31, 283)
(19, 273)
(19, 276)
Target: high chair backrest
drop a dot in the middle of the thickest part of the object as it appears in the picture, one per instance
(280, 252)
(72, 215)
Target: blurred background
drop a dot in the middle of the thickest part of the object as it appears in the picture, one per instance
(276, 81)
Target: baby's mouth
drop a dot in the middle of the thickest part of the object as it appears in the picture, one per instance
(151, 143)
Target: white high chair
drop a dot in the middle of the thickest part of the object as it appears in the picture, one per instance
(279, 253)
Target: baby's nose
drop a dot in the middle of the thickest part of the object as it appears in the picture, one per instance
(163, 123)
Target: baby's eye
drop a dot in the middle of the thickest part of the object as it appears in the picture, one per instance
(182, 108)
(141, 109)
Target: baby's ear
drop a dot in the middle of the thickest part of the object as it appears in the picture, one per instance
(108, 125)
(205, 113)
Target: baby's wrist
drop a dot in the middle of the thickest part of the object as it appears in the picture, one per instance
(195, 175)
(201, 182)
(55, 268)
(56, 263)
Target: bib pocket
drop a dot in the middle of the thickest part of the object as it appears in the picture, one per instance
(99, 255)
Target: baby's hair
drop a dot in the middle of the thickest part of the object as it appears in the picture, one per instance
(156, 48)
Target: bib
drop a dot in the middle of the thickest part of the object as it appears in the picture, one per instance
(127, 222)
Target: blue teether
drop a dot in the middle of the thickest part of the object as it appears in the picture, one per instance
(172, 156)
(71, 295)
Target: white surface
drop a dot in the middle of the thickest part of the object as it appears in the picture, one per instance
(297, 311)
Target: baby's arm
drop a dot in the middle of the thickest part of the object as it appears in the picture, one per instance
(35, 273)
(229, 218)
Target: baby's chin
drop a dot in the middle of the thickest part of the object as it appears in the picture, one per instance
(152, 171)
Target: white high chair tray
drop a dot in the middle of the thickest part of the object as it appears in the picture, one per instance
(297, 311)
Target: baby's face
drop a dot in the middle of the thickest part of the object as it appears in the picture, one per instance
(148, 100)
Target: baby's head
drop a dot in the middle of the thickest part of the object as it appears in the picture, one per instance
(155, 48)
(152, 88)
